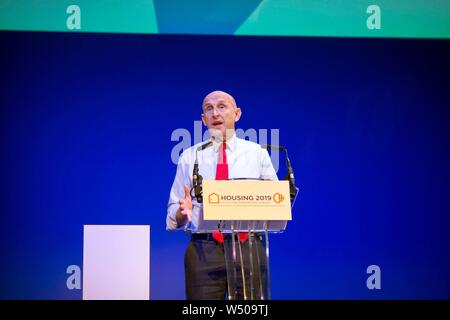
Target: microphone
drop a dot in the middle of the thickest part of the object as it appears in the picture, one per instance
(196, 177)
(290, 173)
(273, 146)
(204, 146)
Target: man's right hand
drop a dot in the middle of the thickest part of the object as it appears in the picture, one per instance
(184, 213)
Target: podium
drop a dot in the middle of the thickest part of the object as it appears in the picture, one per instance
(245, 211)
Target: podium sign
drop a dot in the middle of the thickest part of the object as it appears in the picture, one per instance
(246, 200)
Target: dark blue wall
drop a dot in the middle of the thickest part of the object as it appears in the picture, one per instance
(86, 121)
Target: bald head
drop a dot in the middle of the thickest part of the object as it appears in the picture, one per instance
(218, 94)
(220, 113)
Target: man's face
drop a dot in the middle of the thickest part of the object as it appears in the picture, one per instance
(220, 114)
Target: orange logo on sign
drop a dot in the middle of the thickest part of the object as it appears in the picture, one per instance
(213, 198)
(278, 197)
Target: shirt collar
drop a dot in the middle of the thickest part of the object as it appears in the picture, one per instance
(231, 144)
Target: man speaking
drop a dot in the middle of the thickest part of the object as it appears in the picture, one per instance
(226, 157)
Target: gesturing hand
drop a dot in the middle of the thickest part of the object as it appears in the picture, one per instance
(186, 204)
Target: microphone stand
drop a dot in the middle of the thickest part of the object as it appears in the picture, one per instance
(293, 190)
(197, 179)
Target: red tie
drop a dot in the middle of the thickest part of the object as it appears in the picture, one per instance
(222, 174)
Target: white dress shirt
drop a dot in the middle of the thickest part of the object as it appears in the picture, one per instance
(245, 159)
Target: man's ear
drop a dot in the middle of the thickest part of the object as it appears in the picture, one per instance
(203, 119)
(238, 113)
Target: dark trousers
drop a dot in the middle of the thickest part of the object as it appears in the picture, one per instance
(205, 269)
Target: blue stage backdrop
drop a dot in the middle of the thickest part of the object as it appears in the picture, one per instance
(86, 125)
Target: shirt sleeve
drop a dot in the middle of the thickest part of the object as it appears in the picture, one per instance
(177, 193)
(267, 169)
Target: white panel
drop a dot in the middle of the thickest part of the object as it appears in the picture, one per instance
(116, 262)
